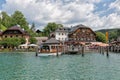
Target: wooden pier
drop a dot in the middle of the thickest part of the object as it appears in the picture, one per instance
(115, 47)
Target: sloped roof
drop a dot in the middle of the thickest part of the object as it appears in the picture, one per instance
(63, 29)
(52, 41)
(74, 28)
(16, 28)
(78, 26)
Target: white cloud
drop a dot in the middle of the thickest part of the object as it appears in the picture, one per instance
(115, 5)
(67, 12)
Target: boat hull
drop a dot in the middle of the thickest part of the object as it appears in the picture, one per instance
(49, 54)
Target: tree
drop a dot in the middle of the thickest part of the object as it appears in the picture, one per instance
(112, 35)
(22, 40)
(33, 27)
(5, 20)
(19, 19)
(32, 40)
(100, 37)
(12, 42)
(2, 27)
(51, 27)
(118, 32)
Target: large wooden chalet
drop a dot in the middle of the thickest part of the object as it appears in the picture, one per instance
(15, 31)
(81, 33)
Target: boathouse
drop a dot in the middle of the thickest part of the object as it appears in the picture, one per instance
(51, 46)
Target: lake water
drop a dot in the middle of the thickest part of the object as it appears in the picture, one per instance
(93, 66)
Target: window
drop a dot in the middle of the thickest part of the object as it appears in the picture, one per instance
(65, 33)
(88, 39)
(59, 33)
(81, 38)
(74, 34)
(91, 34)
(5, 36)
(83, 30)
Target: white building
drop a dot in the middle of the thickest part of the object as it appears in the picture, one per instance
(62, 34)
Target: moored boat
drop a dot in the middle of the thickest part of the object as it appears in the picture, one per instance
(49, 54)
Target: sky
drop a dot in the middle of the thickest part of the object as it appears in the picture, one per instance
(96, 14)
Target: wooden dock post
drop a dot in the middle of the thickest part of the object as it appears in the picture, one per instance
(102, 50)
(37, 51)
(107, 51)
(36, 54)
(57, 51)
(82, 50)
(79, 50)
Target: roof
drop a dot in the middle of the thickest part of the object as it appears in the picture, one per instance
(63, 29)
(16, 28)
(74, 28)
(52, 41)
(41, 38)
(78, 26)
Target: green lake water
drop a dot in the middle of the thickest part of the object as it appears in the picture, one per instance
(93, 66)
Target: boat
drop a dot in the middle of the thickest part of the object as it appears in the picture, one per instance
(49, 54)
(51, 47)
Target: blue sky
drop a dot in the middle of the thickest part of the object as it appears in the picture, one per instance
(1, 2)
(97, 14)
(102, 6)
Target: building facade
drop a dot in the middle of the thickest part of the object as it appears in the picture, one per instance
(76, 33)
(15, 31)
(61, 34)
(81, 33)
